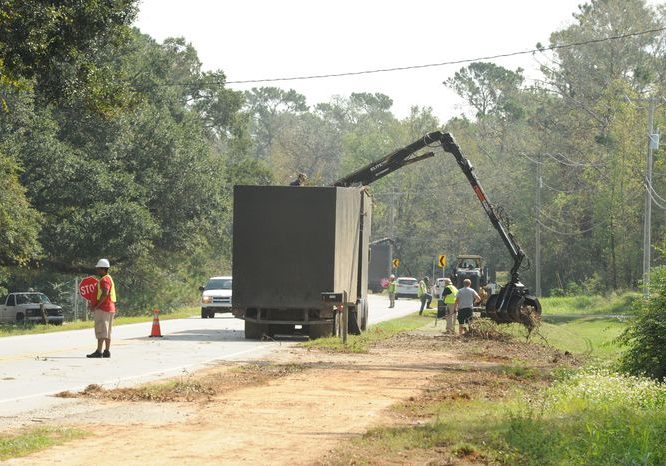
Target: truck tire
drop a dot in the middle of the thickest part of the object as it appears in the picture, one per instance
(20, 317)
(254, 331)
(204, 313)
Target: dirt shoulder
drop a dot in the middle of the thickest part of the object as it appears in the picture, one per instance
(296, 407)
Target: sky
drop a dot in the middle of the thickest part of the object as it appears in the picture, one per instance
(263, 39)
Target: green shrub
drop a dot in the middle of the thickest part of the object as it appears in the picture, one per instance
(645, 336)
(592, 417)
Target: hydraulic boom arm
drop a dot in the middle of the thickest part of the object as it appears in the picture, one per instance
(512, 303)
(401, 157)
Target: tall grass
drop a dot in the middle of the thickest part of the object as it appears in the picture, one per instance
(611, 304)
(592, 337)
(593, 417)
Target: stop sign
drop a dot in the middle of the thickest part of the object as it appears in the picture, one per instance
(88, 288)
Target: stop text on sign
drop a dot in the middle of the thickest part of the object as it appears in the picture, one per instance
(88, 288)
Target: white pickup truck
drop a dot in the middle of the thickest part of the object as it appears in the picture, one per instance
(30, 306)
(215, 296)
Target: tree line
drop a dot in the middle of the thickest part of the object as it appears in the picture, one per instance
(115, 145)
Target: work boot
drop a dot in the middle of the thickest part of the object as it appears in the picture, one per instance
(106, 353)
(95, 354)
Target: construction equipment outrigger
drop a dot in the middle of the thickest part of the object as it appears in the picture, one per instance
(512, 303)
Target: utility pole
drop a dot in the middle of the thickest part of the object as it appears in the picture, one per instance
(392, 226)
(537, 239)
(647, 217)
(653, 143)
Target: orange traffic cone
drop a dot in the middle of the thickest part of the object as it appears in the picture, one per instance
(156, 332)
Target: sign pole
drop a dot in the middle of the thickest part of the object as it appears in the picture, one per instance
(345, 323)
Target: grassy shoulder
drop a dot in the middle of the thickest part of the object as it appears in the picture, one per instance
(375, 333)
(530, 405)
(7, 330)
(33, 440)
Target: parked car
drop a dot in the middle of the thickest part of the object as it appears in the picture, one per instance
(438, 288)
(406, 287)
(215, 296)
(30, 306)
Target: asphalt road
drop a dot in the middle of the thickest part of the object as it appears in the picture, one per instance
(35, 367)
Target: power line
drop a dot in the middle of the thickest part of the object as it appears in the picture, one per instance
(564, 233)
(452, 62)
(414, 67)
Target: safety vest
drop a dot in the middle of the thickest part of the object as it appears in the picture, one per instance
(112, 291)
(423, 289)
(391, 287)
(451, 297)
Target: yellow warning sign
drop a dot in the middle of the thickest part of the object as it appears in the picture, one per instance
(396, 263)
(442, 260)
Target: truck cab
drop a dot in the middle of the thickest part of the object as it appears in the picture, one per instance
(470, 267)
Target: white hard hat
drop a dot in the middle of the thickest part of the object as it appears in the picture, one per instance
(103, 264)
(392, 276)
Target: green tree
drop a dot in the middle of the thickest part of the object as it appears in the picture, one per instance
(56, 44)
(488, 88)
(268, 108)
(19, 222)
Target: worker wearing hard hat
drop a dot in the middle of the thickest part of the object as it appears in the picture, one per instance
(449, 294)
(103, 307)
(391, 290)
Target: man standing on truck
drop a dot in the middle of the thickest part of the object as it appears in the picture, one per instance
(391, 290)
(103, 307)
(300, 180)
(424, 294)
(465, 301)
(449, 294)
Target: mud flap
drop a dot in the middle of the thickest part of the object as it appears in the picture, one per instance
(352, 325)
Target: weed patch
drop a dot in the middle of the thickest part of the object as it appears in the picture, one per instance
(30, 441)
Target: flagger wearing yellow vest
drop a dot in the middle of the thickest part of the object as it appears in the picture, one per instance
(450, 298)
(112, 292)
(103, 308)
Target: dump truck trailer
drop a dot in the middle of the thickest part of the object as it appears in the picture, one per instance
(290, 245)
(381, 256)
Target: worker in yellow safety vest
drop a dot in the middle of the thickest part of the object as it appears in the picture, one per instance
(103, 308)
(391, 290)
(449, 294)
(424, 294)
